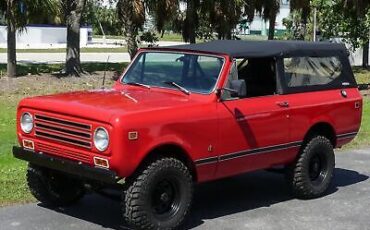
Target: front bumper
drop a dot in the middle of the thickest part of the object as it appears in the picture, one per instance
(67, 166)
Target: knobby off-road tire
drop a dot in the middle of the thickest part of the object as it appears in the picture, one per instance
(311, 175)
(53, 188)
(160, 196)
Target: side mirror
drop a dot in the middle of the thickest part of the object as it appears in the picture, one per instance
(239, 87)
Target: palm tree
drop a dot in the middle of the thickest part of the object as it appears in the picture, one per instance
(191, 22)
(163, 11)
(73, 10)
(304, 8)
(268, 9)
(17, 15)
(131, 13)
(223, 15)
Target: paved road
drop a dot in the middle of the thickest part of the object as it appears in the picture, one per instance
(60, 57)
(85, 57)
(253, 201)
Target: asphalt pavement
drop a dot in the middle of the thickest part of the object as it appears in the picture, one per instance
(51, 58)
(259, 200)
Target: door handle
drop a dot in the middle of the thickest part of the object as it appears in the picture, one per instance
(283, 104)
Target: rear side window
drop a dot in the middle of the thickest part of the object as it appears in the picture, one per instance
(312, 71)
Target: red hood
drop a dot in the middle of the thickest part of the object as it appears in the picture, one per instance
(101, 105)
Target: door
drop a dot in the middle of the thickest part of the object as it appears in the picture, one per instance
(253, 132)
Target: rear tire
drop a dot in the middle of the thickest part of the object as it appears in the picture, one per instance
(160, 196)
(311, 175)
(53, 188)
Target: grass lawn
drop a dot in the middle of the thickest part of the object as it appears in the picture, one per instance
(12, 172)
(13, 188)
(362, 75)
(363, 137)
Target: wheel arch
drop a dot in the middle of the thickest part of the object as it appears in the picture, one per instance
(170, 150)
(321, 128)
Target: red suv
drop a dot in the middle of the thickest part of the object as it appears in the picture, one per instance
(187, 114)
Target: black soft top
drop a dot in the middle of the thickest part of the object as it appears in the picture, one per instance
(260, 49)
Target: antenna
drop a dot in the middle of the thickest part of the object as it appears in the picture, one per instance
(105, 72)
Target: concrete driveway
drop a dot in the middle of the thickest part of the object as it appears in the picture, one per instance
(258, 200)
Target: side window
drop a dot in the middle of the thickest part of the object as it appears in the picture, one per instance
(311, 71)
(259, 75)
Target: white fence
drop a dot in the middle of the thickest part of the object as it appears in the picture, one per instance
(45, 36)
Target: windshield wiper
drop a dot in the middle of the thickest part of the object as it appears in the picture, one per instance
(138, 84)
(182, 89)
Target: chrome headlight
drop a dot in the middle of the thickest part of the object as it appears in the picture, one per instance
(101, 139)
(26, 122)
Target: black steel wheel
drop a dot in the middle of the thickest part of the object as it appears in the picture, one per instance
(311, 175)
(160, 196)
(165, 198)
(53, 188)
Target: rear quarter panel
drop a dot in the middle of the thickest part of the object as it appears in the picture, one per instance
(329, 106)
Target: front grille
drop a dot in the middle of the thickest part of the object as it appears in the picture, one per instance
(64, 131)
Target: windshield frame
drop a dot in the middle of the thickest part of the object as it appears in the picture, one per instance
(213, 90)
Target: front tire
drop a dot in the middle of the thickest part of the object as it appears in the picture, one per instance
(160, 196)
(312, 173)
(53, 188)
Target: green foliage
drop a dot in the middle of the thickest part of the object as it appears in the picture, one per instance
(163, 11)
(303, 7)
(149, 37)
(338, 19)
(28, 11)
(220, 16)
(295, 30)
(95, 13)
(267, 9)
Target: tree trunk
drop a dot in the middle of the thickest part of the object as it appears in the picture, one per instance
(304, 29)
(229, 35)
(365, 55)
(132, 19)
(130, 35)
(74, 10)
(191, 15)
(272, 27)
(11, 43)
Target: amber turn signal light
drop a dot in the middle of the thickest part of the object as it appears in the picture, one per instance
(101, 162)
(27, 144)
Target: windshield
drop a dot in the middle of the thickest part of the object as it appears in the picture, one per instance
(195, 73)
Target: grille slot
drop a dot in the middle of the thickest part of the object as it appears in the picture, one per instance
(65, 131)
(63, 122)
(47, 149)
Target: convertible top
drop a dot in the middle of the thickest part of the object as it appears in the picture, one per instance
(260, 49)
